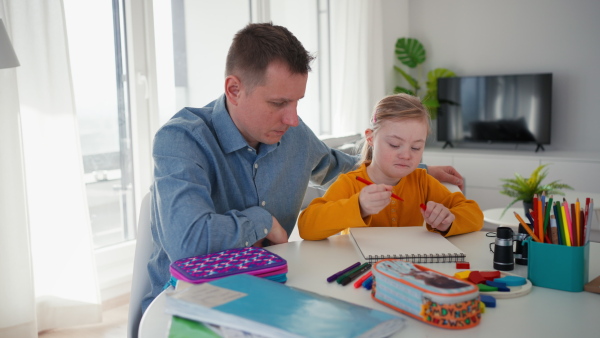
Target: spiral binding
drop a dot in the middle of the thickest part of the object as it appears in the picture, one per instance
(431, 258)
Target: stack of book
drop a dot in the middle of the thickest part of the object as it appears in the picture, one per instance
(264, 308)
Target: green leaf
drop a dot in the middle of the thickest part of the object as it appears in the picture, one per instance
(521, 189)
(411, 80)
(410, 52)
(431, 103)
(430, 100)
(435, 74)
(399, 90)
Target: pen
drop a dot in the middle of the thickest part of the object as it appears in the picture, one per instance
(343, 276)
(535, 238)
(352, 276)
(368, 284)
(423, 206)
(339, 273)
(369, 183)
(359, 281)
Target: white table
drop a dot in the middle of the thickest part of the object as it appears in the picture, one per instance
(494, 218)
(542, 313)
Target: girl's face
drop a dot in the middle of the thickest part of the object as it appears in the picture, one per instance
(397, 149)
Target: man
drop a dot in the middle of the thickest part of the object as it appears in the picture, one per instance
(234, 173)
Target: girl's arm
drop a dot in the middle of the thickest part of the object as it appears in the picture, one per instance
(468, 215)
(337, 210)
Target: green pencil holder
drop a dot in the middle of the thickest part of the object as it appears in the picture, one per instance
(558, 267)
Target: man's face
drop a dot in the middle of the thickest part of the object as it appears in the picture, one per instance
(265, 114)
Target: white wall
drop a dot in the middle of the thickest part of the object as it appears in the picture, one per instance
(395, 25)
(479, 37)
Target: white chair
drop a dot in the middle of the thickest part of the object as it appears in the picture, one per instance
(140, 283)
(452, 187)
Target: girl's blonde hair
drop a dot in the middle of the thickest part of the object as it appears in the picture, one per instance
(395, 107)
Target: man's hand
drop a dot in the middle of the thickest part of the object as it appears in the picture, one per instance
(373, 198)
(446, 174)
(277, 235)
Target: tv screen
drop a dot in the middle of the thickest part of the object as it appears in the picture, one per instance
(495, 109)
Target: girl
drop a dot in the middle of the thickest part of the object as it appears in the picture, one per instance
(391, 152)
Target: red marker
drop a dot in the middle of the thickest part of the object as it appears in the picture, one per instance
(423, 207)
(369, 183)
(359, 282)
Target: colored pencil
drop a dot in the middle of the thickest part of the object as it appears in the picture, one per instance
(534, 214)
(553, 229)
(558, 218)
(540, 218)
(574, 225)
(526, 227)
(565, 224)
(578, 220)
(589, 220)
(547, 209)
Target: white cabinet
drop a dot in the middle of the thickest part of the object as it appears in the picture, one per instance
(483, 169)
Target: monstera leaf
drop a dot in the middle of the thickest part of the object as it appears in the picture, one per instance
(410, 52)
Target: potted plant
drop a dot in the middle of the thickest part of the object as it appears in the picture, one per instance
(411, 53)
(523, 189)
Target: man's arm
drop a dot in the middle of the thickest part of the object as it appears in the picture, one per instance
(198, 210)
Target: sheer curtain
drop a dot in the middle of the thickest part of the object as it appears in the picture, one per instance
(357, 74)
(46, 253)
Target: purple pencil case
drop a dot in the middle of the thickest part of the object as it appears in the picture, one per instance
(250, 260)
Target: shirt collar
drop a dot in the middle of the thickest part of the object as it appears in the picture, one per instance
(228, 135)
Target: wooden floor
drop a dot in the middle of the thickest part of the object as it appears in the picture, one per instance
(114, 323)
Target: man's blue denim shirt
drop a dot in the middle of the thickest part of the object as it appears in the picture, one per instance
(212, 191)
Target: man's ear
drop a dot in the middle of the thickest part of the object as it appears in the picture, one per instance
(233, 88)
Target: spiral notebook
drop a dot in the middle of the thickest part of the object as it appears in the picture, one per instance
(413, 244)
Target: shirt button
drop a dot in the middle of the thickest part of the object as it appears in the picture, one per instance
(246, 243)
(263, 203)
(255, 165)
(249, 149)
(266, 231)
(393, 210)
(393, 220)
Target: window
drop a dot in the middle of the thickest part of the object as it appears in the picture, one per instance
(95, 33)
(201, 32)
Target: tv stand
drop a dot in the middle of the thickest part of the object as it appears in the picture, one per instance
(448, 143)
(539, 146)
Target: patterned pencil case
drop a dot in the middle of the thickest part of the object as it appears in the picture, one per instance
(249, 260)
(426, 294)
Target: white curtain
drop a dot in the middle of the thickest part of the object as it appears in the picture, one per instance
(46, 254)
(357, 74)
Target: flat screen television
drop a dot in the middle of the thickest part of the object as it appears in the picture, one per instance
(495, 109)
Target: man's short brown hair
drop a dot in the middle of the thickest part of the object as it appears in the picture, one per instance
(257, 45)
